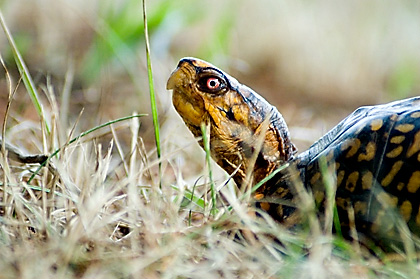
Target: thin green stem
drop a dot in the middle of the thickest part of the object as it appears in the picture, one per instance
(152, 89)
(206, 143)
(24, 72)
(79, 137)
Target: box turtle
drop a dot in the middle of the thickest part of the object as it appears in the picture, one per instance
(373, 156)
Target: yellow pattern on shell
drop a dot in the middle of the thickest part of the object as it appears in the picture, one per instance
(418, 218)
(367, 180)
(414, 183)
(415, 145)
(376, 124)
(340, 176)
(415, 114)
(370, 152)
(397, 139)
(354, 145)
(400, 186)
(405, 128)
(391, 174)
(405, 210)
(315, 178)
(395, 152)
(360, 207)
(352, 181)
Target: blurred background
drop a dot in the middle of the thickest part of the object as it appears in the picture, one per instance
(316, 61)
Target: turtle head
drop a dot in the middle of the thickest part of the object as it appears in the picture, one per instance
(198, 88)
(245, 130)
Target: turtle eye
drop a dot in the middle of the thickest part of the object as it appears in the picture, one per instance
(211, 84)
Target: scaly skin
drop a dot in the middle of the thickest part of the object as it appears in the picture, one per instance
(246, 133)
(372, 157)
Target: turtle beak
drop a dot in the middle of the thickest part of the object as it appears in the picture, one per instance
(176, 79)
(183, 73)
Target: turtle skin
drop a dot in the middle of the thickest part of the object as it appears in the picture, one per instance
(370, 161)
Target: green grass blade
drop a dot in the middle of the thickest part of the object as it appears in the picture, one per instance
(79, 137)
(206, 143)
(198, 200)
(268, 177)
(191, 197)
(24, 72)
(151, 88)
(329, 179)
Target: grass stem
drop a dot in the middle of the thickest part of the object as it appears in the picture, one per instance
(79, 137)
(24, 72)
(152, 90)
(206, 143)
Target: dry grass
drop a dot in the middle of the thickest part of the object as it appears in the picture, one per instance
(99, 212)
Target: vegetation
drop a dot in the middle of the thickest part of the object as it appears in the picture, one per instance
(127, 193)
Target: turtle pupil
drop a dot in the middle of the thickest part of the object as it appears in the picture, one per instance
(213, 83)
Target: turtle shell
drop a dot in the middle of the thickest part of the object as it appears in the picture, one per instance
(372, 161)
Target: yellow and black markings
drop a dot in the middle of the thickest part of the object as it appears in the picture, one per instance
(377, 172)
